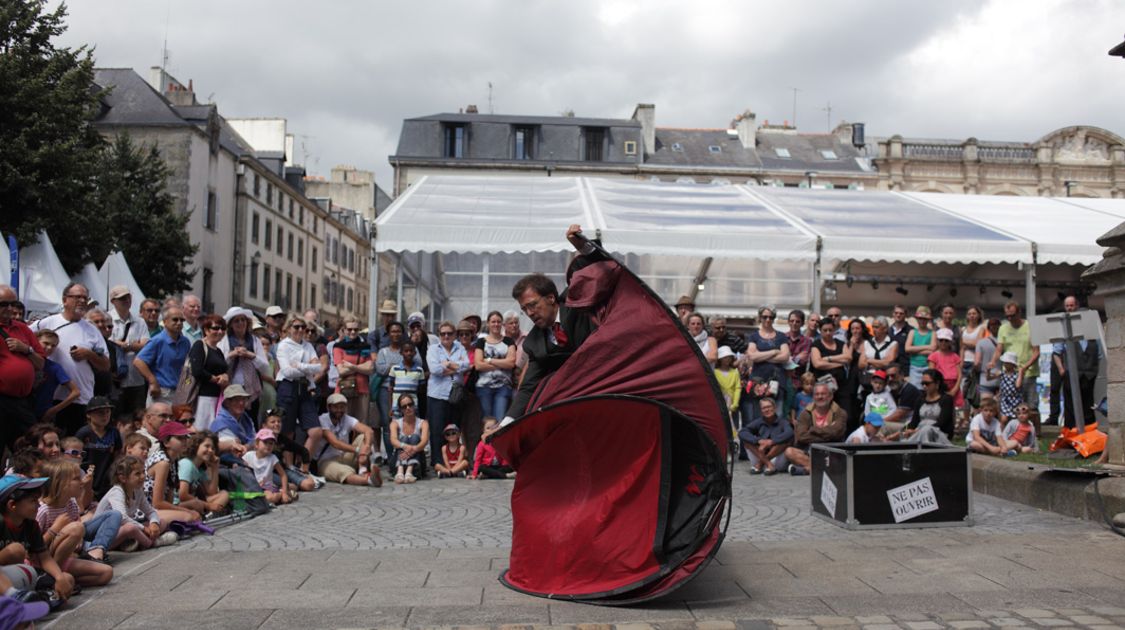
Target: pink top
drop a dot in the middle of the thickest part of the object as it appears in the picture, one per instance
(46, 515)
(949, 364)
(486, 456)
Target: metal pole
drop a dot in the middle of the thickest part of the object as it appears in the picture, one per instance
(485, 270)
(1029, 272)
(1071, 356)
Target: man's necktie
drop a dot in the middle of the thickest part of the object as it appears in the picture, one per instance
(560, 335)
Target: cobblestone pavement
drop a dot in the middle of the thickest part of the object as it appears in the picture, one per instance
(429, 554)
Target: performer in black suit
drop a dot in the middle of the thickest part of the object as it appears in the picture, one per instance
(558, 330)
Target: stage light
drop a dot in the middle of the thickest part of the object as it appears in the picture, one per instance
(901, 290)
(1006, 293)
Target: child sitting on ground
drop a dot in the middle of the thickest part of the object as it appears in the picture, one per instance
(74, 450)
(869, 432)
(199, 476)
(21, 540)
(27, 462)
(984, 432)
(1011, 386)
(138, 446)
(60, 520)
(453, 461)
(101, 443)
(803, 398)
(880, 400)
(487, 462)
(127, 498)
(1021, 431)
(53, 376)
(266, 465)
(294, 457)
(729, 380)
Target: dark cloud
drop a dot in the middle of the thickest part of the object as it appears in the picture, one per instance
(345, 74)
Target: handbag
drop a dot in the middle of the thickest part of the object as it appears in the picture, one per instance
(456, 392)
(348, 386)
(187, 388)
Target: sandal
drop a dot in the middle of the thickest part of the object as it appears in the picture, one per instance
(755, 471)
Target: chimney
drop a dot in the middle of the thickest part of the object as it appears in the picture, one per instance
(471, 109)
(646, 115)
(747, 127)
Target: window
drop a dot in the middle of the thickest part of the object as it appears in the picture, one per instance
(253, 279)
(208, 293)
(312, 296)
(524, 143)
(313, 258)
(301, 252)
(351, 260)
(300, 294)
(280, 236)
(289, 253)
(782, 153)
(349, 306)
(257, 184)
(714, 148)
(269, 234)
(254, 221)
(280, 201)
(454, 141)
(594, 144)
(316, 220)
(277, 297)
(266, 283)
(288, 289)
(677, 147)
(630, 147)
(269, 194)
(290, 208)
(828, 154)
(301, 215)
(211, 219)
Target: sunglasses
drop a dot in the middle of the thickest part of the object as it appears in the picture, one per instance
(351, 330)
(929, 382)
(280, 413)
(298, 326)
(446, 334)
(769, 317)
(70, 452)
(219, 328)
(406, 406)
(465, 333)
(77, 297)
(9, 304)
(175, 320)
(148, 310)
(449, 433)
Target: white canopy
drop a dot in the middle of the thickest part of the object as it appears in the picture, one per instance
(42, 277)
(115, 271)
(93, 282)
(751, 244)
(5, 261)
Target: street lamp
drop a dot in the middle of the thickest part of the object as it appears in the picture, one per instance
(809, 176)
(1068, 184)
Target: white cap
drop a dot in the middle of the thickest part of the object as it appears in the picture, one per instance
(725, 351)
(1010, 357)
(274, 310)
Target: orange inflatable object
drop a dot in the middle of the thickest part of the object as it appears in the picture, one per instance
(1087, 443)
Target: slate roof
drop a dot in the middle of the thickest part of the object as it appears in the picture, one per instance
(504, 119)
(692, 147)
(805, 153)
(132, 101)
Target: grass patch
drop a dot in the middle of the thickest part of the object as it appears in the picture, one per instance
(1042, 458)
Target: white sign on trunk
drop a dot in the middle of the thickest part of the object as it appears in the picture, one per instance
(912, 500)
(828, 495)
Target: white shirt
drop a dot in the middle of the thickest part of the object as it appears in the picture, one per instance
(342, 432)
(304, 355)
(82, 334)
(138, 331)
(263, 467)
(859, 436)
(988, 429)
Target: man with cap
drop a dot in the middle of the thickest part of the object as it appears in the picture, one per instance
(379, 337)
(80, 352)
(685, 306)
(163, 357)
(20, 357)
(345, 456)
(193, 308)
(129, 335)
(869, 432)
(101, 443)
(275, 322)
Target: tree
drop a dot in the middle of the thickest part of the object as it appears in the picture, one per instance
(131, 195)
(49, 149)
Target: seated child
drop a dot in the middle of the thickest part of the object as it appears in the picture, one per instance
(487, 462)
(1021, 432)
(453, 461)
(294, 457)
(984, 432)
(198, 471)
(162, 478)
(138, 446)
(880, 400)
(266, 465)
(27, 462)
(803, 397)
(127, 498)
(101, 442)
(74, 450)
(46, 407)
(869, 432)
(60, 520)
(21, 540)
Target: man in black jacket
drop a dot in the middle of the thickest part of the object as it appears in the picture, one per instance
(557, 330)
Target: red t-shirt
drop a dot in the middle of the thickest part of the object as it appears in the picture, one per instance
(17, 374)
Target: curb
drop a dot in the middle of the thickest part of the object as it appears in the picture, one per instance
(1066, 493)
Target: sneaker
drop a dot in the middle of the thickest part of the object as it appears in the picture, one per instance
(464, 474)
(770, 472)
(511, 475)
(400, 478)
(129, 546)
(755, 471)
(375, 480)
(30, 597)
(165, 539)
(318, 480)
(1011, 454)
(362, 471)
(409, 478)
(797, 471)
(441, 475)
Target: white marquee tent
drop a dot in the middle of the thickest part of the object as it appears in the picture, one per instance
(42, 277)
(5, 261)
(115, 271)
(461, 241)
(94, 284)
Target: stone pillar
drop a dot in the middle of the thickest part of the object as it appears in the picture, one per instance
(1110, 277)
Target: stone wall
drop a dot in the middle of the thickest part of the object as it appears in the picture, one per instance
(1110, 276)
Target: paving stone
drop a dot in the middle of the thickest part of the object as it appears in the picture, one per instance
(349, 617)
(1006, 622)
(1089, 620)
(882, 626)
(957, 615)
(911, 616)
(826, 621)
(785, 621)
(969, 624)
(1105, 627)
(201, 619)
(1033, 613)
(1071, 611)
(711, 625)
(873, 619)
(752, 624)
(1108, 610)
(923, 625)
(897, 605)
(428, 616)
(760, 608)
(570, 612)
(1051, 622)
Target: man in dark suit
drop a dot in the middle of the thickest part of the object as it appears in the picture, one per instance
(557, 330)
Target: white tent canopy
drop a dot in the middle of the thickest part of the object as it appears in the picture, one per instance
(42, 277)
(5, 261)
(115, 271)
(94, 284)
(743, 244)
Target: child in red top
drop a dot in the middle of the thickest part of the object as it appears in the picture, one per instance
(453, 461)
(487, 462)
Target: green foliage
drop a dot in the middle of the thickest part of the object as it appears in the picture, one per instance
(49, 150)
(132, 197)
(58, 174)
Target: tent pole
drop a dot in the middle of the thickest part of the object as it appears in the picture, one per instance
(373, 289)
(398, 285)
(485, 270)
(1029, 270)
(816, 280)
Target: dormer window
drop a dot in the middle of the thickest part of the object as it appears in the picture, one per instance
(454, 140)
(524, 147)
(828, 154)
(782, 153)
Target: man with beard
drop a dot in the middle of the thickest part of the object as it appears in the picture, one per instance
(906, 396)
(80, 352)
(823, 421)
(346, 459)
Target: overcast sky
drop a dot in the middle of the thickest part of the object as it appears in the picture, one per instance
(346, 73)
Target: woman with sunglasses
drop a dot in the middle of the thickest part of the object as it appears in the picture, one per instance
(248, 359)
(299, 369)
(352, 357)
(409, 435)
(209, 369)
(920, 342)
(767, 350)
(933, 413)
(447, 362)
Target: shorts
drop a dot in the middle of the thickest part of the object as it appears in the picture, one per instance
(338, 469)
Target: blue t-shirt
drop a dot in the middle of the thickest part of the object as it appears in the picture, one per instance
(100, 451)
(165, 358)
(53, 376)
